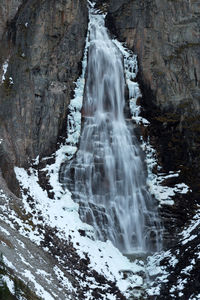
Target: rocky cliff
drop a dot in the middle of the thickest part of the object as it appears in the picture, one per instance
(8, 9)
(165, 36)
(41, 56)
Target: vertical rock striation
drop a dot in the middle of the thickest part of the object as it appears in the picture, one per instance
(43, 44)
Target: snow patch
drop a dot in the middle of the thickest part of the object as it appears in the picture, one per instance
(186, 235)
(164, 194)
(9, 282)
(4, 231)
(5, 68)
(11, 80)
(40, 290)
(8, 263)
(65, 282)
(187, 270)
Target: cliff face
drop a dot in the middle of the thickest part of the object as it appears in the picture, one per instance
(8, 9)
(165, 36)
(43, 53)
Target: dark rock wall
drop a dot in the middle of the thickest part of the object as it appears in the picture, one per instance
(8, 9)
(166, 36)
(44, 42)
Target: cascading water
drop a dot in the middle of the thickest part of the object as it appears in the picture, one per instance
(107, 176)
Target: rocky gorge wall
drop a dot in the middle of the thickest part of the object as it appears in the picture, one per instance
(43, 43)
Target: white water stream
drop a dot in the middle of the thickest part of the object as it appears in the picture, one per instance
(107, 175)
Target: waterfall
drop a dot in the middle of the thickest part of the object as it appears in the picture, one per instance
(107, 175)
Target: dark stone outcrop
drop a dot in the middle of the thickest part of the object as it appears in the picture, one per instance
(44, 43)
